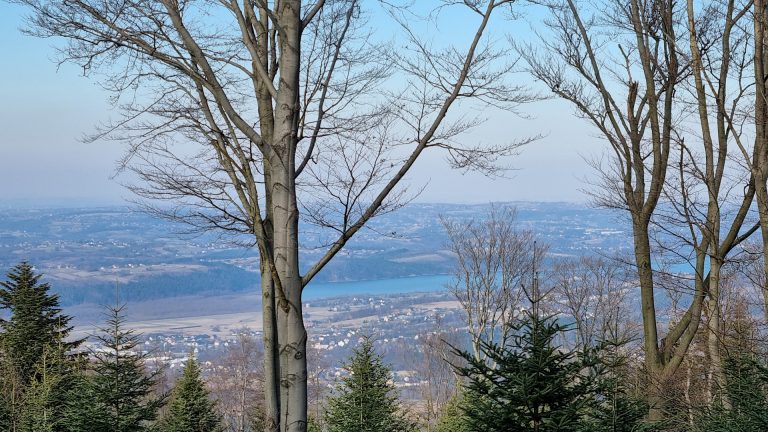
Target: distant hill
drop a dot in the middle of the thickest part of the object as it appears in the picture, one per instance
(85, 252)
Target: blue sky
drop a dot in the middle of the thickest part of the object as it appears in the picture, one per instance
(46, 109)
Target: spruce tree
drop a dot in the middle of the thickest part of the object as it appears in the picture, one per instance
(5, 415)
(45, 394)
(83, 409)
(746, 384)
(532, 384)
(191, 409)
(120, 384)
(365, 401)
(452, 417)
(36, 321)
(618, 407)
(54, 388)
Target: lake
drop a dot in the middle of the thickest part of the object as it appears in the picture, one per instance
(316, 290)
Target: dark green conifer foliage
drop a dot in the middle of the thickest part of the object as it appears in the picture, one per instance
(121, 385)
(531, 384)
(312, 425)
(747, 391)
(618, 407)
(36, 321)
(365, 401)
(191, 409)
(46, 393)
(452, 417)
(5, 414)
(84, 409)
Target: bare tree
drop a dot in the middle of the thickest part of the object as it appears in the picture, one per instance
(752, 269)
(593, 291)
(11, 392)
(432, 357)
(739, 333)
(236, 383)
(710, 192)
(666, 86)
(318, 365)
(248, 115)
(495, 261)
(617, 63)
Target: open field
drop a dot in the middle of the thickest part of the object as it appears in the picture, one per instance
(220, 315)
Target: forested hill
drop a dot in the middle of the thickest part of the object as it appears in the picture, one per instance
(85, 252)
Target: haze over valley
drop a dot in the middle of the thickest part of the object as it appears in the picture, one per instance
(86, 252)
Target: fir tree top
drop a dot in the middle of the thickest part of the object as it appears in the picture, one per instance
(366, 399)
(529, 385)
(191, 409)
(36, 321)
(121, 382)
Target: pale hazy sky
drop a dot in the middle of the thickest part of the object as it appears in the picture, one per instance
(44, 111)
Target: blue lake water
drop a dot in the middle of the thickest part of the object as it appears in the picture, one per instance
(317, 290)
(376, 287)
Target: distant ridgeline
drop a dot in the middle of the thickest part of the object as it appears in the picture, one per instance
(84, 252)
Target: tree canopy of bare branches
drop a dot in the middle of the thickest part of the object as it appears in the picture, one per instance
(494, 273)
(593, 292)
(246, 116)
(666, 84)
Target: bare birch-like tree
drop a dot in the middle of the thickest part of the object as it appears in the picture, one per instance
(495, 264)
(432, 358)
(752, 270)
(247, 116)
(593, 291)
(318, 390)
(236, 383)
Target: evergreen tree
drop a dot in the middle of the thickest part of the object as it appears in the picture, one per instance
(6, 410)
(746, 384)
(36, 321)
(531, 384)
(452, 417)
(83, 409)
(312, 425)
(120, 385)
(366, 400)
(617, 407)
(43, 398)
(191, 410)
